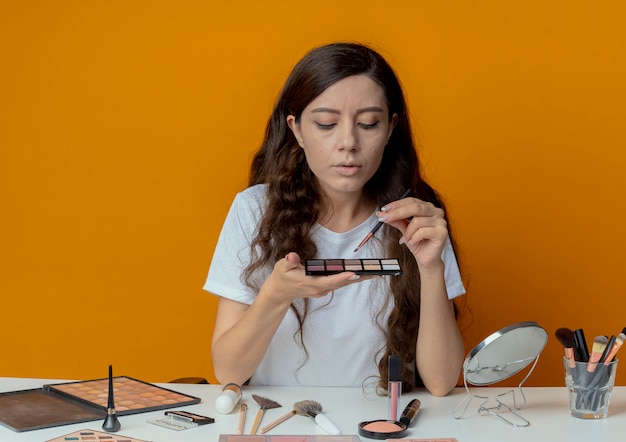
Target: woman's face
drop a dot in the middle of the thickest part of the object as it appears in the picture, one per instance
(344, 132)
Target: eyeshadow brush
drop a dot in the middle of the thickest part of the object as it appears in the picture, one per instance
(607, 349)
(599, 344)
(377, 226)
(243, 411)
(264, 404)
(111, 424)
(595, 377)
(619, 341)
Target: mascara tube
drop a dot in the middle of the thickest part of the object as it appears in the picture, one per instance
(394, 389)
(409, 412)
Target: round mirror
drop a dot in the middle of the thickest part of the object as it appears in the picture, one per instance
(504, 353)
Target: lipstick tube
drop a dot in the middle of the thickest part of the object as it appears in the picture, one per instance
(394, 389)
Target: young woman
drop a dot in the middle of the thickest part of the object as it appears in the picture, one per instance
(337, 154)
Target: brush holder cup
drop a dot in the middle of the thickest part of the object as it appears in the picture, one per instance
(589, 388)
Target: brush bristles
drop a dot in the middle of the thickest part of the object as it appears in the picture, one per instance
(265, 403)
(566, 337)
(599, 344)
(619, 340)
(307, 408)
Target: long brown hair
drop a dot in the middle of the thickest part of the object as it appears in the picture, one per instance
(294, 195)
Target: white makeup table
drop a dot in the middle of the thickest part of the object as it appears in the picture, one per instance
(546, 409)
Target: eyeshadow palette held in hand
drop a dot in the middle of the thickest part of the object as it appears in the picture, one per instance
(372, 266)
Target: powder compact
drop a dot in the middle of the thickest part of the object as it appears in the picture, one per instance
(382, 429)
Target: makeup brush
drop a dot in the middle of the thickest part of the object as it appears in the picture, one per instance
(313, 410)
(582, 352)
(568, 341)
(599, 344)
(265, 404)
(278, 421)
(111, 423)
(243, 411)
(607, 349)
(377, 226)
(619, 341)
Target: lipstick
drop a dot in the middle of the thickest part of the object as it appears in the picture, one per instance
(394, 389)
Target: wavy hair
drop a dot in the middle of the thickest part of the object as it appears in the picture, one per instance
(294, 196)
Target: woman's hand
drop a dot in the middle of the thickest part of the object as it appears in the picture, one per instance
(243, 332)
(439, 346)
(288, 281)
(423, 226)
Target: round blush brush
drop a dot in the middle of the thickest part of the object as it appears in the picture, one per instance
(568, 341)
(313, 410)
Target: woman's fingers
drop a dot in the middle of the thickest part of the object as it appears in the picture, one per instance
(423, 226)
(289, 275)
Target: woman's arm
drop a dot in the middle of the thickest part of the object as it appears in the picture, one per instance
(439, 345)
(439, 348)
(243, 333)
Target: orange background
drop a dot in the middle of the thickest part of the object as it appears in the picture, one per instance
(126, 127)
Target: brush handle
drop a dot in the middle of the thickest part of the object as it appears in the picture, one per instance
(326, 424)
(257, 420)
(278, 421)
(242, 417)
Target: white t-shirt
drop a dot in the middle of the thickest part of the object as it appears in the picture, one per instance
(341, 332)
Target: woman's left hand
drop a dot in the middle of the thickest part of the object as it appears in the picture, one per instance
(423, 226)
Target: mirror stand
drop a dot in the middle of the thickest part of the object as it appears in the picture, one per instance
(498, 357)
(496, 405)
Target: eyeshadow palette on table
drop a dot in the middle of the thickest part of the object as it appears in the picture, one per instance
(94, 436)
(83, 401)
(288, 438)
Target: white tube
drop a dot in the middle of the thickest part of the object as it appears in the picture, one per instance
(230, 396)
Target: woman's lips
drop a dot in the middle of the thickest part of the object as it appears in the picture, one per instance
(348, 169)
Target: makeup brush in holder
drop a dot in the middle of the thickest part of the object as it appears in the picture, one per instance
(265, 404)
(313, 410)
(111, 423)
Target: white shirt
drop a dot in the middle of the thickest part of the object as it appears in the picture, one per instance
(341, 333)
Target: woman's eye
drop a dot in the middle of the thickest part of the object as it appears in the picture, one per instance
(324, 126)
(369, 125)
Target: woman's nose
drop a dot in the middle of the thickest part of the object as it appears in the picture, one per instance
(347, 138)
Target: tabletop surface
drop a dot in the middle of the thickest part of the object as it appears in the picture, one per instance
(546, 410)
